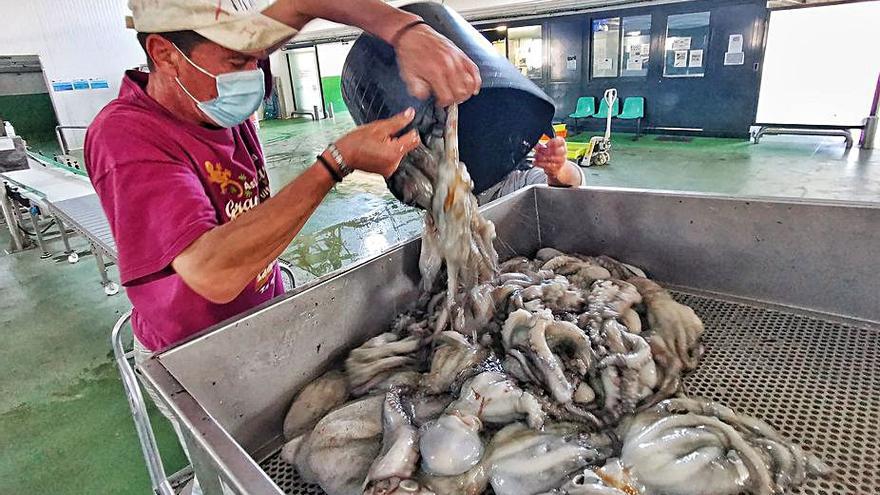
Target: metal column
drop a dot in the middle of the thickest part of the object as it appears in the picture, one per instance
(72, 256)
(110, 287)
(46, 254)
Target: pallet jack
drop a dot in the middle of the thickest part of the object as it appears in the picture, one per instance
(598, 151)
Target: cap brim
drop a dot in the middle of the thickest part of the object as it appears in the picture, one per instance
(250, 34)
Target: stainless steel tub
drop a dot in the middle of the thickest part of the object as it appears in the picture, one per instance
(787, 290)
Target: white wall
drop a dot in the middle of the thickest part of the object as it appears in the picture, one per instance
(75, 39)
(821, 65)
(331, 56)
(278, 65)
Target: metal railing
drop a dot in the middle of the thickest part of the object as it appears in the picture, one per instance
(62, 141)
(162, 485)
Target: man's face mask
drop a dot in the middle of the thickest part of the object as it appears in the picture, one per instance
(239, 94)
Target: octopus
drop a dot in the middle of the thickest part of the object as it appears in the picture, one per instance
(690, 446)
(456, 235)
(338, 453)
(556, 374)
(379, 362)
(314, 401)
(454, 354)
(392, 471)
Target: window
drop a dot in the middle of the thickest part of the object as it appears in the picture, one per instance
(636, 45)
(606, 46)
(498, 37)
(687, 39)
(525, 50)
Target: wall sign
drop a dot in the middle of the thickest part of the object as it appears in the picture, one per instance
(734, 55)
(681, 43)
(80, 84)
(696, 58)
(734, 58)
(687, 40)
(58, 86)
(680, 58)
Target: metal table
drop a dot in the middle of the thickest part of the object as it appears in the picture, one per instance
(807, 130)
(41, 185)
(71, 201)
(86, 217)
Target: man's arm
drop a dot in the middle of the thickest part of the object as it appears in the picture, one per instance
(429, 63)
(222, 261)
(373, 16)
(552, 159)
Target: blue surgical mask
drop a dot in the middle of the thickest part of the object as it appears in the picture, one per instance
(239, 94)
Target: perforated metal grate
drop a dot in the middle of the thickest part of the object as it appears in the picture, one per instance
(816, 381)
(286, 477)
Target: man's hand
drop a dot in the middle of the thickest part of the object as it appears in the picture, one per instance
(431, 64)
(551, 158)
(373, 147)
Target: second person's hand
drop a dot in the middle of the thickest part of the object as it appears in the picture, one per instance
(551, 156)
(373, 147)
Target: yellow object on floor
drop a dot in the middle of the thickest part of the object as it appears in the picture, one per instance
(561, 130)
(577, 151)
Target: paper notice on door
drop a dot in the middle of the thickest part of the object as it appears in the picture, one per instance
(571, 62)
(681, 59)
(604, 64)
(634, 63)
(735, 43)
(734, 58)
(696, 58)
(681, 43)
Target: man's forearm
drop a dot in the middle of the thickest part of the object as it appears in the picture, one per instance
(373, 16)
(220, 263)
(569, 175)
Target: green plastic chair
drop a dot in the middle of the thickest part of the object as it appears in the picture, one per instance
(634, 108)
(586, 107)
(603, 109)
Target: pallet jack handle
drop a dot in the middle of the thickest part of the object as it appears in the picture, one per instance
(610, 97)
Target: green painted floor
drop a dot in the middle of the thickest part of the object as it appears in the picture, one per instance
(64, 423)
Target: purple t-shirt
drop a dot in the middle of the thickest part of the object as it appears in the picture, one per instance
(164, 182)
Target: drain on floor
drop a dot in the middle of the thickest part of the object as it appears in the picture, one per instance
(678, 139)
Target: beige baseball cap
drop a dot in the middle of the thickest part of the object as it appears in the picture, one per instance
(235, 24)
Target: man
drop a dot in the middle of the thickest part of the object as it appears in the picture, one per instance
(550, 166)
(179, 170)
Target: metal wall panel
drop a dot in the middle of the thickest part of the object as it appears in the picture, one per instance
(805, 254)
(722, 103)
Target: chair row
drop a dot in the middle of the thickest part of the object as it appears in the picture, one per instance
(633, 109)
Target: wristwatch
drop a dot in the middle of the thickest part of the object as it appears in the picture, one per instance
(344, 169)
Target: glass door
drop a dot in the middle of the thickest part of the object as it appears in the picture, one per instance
(306, 78)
